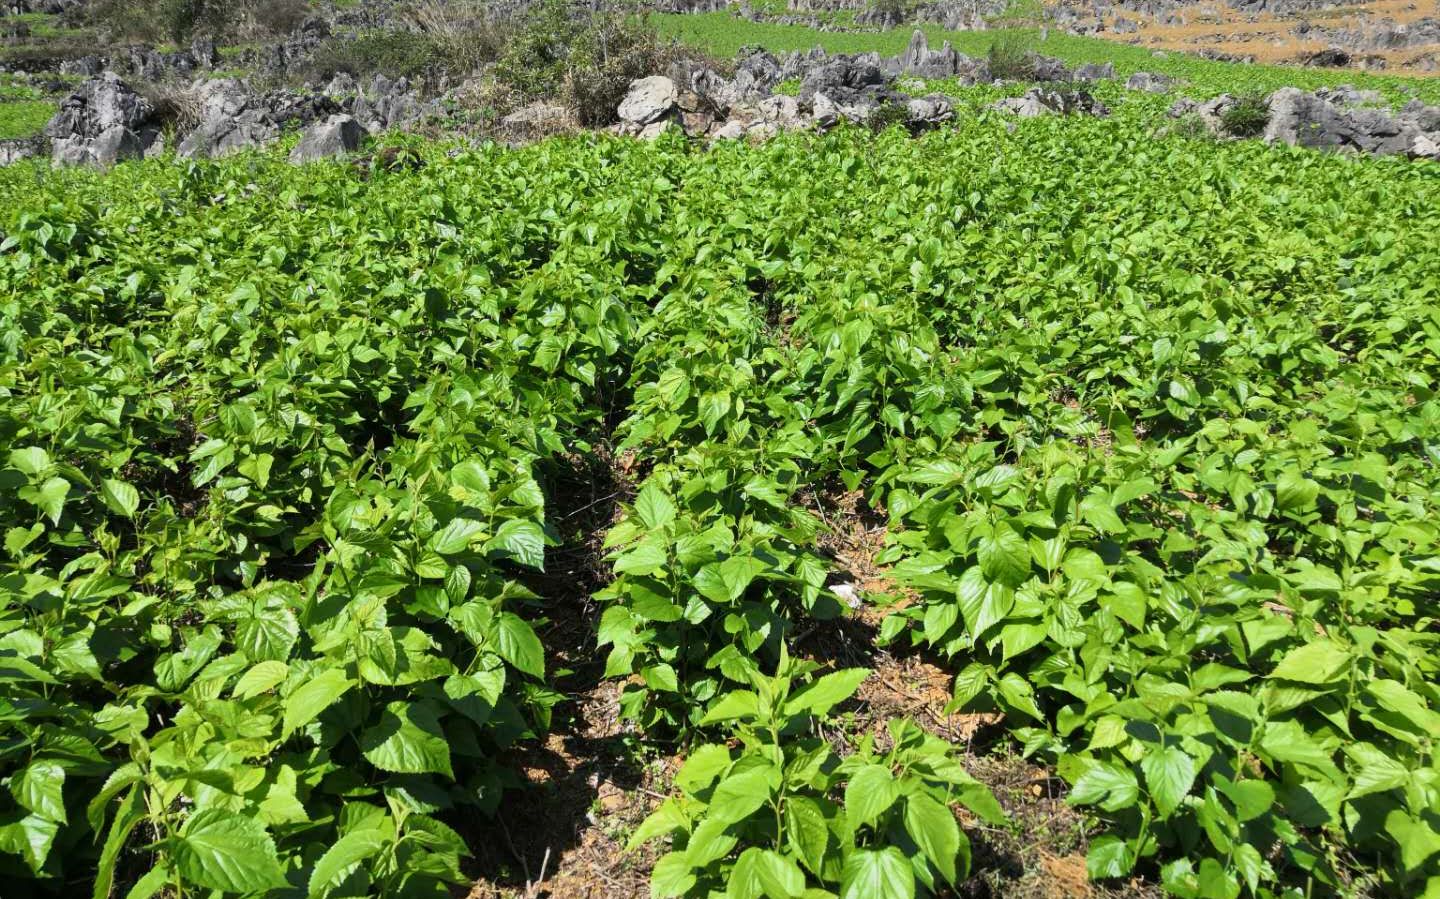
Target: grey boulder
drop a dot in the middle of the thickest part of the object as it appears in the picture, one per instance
(648, 100)
(97, 106)
(335, 136)
(1149, 82)
(113, 145)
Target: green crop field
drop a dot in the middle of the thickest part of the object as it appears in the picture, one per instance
(23, 118)
(306, 474)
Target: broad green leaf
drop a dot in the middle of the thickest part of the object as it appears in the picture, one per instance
(40, 787)
(30, 837)
(408, 739)
(1004, 556)
(223, 850)
(521, 540)
(1109, 856)
(822, 694)
(267, 635)
(870, 792)
(1252, 798)
(1169, 775)
(739, 795)
(1296, 493)
(344, 856)
(517, 644)
(806, 832)
(764, 872)
(313, 697)
(1373, 771)
(49, 497)
(645, 558)
(654, 508)
(1106, 785)
(726, 581)
(672, 876)
(129, 815)
(261, 678)
(933, 828)
(120, 497)
(877, 874)
(457, 536)
(32, 460)
(1318, 662)
(702, 767)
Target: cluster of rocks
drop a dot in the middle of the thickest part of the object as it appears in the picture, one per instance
(147, 63)
(105, 121)
(826, 15)
(844, 92)
(1039, 101)
(1382, 34)
(1340, 119)
(833, 89)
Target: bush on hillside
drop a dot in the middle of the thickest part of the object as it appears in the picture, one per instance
(464, 34)
(392, 53)
(585, 61)
(1009, 58)
(1247, 118)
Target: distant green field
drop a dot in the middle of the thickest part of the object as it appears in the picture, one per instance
(23, 118)
(724, 35)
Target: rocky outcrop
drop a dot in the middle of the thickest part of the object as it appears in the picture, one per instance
(1340, 119)
(328, 139)
(1149, 83)
(230, 121)
(919, 60)
(385, 104)
(648, 101)
(833, 89)
(1039, 101)
(103, 122)
(1328, 121)
(1095, 72)
(14, 150)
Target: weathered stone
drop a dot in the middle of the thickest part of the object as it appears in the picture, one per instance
(1095, 72)
(929, 112)
(1039, 101)
(113, 145)
(824, 112)
(335, 136)
(96, 106)
(731, 130)
(1149, 82)
(781, 111)
(649, 100)
(541, 116)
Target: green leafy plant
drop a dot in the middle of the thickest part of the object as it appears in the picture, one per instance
(783, 810)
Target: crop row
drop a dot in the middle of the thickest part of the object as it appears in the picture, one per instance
(1151, 426)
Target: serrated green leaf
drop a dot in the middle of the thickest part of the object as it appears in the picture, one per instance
(933, 828)
(870, 792)
(222, 850)
(1169, 775)
(877, 874)
(408, 739)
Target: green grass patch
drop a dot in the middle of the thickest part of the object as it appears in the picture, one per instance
(23, 118)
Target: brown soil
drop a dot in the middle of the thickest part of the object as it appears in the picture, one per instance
(1269, 37)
